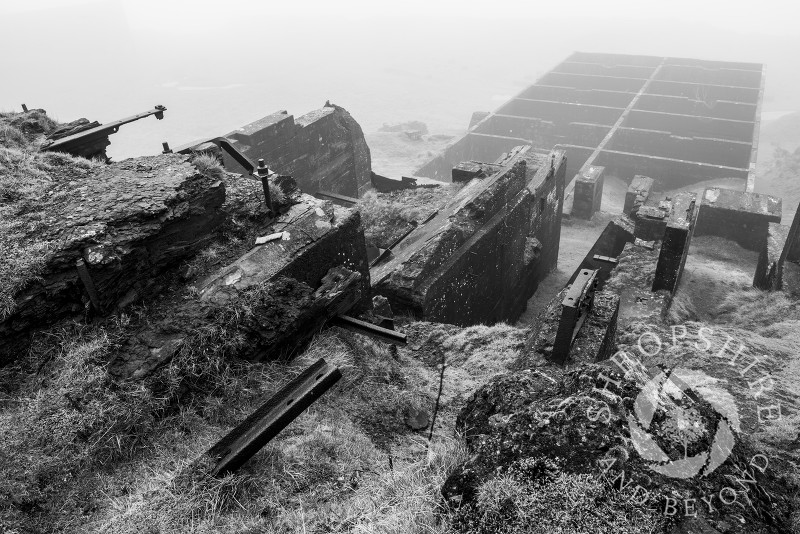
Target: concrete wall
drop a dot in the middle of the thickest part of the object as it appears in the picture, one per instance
(322, 150)
(482, 257)
(739, 216)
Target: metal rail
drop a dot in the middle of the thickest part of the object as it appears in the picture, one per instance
(369, 329)
(244, 441)
(74, 141)
(575, 308)
(350, 201)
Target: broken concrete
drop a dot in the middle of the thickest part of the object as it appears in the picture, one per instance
(128, 222)
(680, 225)
(782, 249)
(609, 244)
(738, 215)
(588, 192)
(323, 150)
(481, 257)
(637, 193)
(284, 291)
(595, 340)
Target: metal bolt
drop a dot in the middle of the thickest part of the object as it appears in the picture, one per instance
(262, 168)
(167, 149)
(24, 108)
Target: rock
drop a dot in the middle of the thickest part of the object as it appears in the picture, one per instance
(525, 425)
(125, 243)
(416, 419)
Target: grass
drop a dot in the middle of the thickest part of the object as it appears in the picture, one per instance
(26, 176)
(85, 453)
(536, 497)
(386, 216)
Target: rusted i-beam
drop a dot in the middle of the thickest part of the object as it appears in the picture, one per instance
(244, 441)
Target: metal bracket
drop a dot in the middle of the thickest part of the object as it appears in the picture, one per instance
(575, 309)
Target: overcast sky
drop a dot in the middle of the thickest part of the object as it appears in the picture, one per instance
(218, 65)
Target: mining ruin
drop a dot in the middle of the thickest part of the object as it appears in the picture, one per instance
(281, 203)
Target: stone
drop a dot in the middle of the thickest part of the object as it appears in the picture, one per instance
(467, 264)
(740, 216)
(588, 193)
(126, 244)
(416, 419)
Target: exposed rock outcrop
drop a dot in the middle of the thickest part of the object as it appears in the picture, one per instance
(128, 222)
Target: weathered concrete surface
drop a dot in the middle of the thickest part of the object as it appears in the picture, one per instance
(323, 150)
(611, 242)
(317, 235)
(537, 425)
(286, 289)
(595, 340)
(483, 255)
(769, 271)
(588, 192)
(738, 215)
(653, 216)
(681, 224)
(632, 279)
(129, 222)
(637, 193)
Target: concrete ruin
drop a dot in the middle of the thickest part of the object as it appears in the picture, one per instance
(678, 120)
(481, 257)
(739, 216)
(779, 260)
(323, 150)
(588, 192)
(638, 192)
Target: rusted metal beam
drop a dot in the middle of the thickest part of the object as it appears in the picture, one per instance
(607, 259)
(350, 201)
(88, 283)
(75, 142)
(244, 441)
(575, 308)
(369, 329)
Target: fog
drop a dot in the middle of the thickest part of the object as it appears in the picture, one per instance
(218, 65)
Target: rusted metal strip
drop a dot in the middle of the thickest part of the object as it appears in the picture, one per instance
(244, 441)
(68, 143)
(336, 196)
(88, 283)
(369, 329)
(575, 308)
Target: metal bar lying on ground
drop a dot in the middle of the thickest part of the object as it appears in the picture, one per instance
(607, 259)
(244, 441)
(336, 196)
(88, 283)
(369, 329)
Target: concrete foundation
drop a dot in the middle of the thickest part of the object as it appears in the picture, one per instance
(678, 122)
(739, 216)
(781, 249)
(483, 255)
(323, 150)
(637, 193)
(588, 192)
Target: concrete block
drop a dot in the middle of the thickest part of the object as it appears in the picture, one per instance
(675, 243)
(483, 255)
(637, 193)
(738, 215)
(588, 192)
(769, 271)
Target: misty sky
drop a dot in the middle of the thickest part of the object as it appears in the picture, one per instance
(218, 65)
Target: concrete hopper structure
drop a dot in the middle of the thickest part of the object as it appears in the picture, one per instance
(679, 121)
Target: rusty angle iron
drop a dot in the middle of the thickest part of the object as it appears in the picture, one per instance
(369, 329)
(72, 142)
(244, 441)
(575, 308)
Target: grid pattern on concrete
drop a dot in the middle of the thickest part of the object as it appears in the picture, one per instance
(677, 120)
